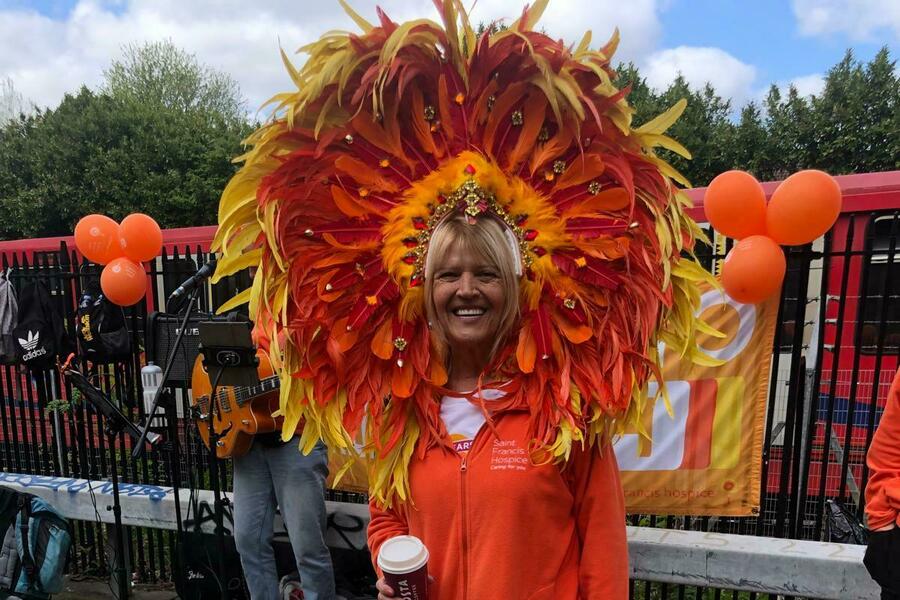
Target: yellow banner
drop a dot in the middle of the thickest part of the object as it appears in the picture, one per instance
(705, 457)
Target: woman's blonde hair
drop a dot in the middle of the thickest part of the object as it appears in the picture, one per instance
(488, 239)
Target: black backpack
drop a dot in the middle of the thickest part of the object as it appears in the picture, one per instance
(41, 334)
(102, 333)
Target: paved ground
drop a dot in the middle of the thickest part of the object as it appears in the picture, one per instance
(99, 590)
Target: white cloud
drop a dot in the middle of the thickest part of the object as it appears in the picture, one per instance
(730, 77)
(47, 57)
(862, 20)
(808, 85)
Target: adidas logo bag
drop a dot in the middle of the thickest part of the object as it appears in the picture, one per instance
(9, 317)
(102, 333)
(40, 334)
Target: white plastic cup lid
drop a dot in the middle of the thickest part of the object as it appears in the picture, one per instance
(402, 554)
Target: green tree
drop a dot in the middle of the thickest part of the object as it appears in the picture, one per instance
(119, 151)
(748, 147)
(856, 116)
(161, 75)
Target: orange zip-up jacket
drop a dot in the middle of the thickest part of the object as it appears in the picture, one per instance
(497, 526)
(883, 489)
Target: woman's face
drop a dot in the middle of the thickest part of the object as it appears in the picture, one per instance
(469, 300)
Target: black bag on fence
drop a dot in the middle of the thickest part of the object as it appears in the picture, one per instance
(41, 334)
(841, 525)
(101, 329)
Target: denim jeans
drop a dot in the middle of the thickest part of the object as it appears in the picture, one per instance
(283, 475)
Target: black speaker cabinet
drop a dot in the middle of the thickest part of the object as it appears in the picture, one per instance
(162, 331)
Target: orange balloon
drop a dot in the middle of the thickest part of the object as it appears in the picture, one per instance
(803, 208)
(123, 282)
(753, 270)
(140, 237)
(735, 205)
(97, 238)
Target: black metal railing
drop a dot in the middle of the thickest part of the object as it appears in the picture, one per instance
(835, 353)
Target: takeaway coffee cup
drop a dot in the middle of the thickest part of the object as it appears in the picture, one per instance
(404, 562)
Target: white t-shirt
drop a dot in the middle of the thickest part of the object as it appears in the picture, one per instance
(463, 418)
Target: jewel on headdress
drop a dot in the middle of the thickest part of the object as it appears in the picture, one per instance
(429, 113)
(415, 281)
(328, 287)
(490, 102)
(594, 187)
(549, 176)
(530, 235)
(517, 118)
(363, 192)
(419, 223)
(442, 199)
(543, 134)
(400, 344)
(348, 138)
(435, 126)
(308, 233)
(410, 242)
(559, 166)
(539, 250)
(371, 300)
(409, 258)
(569, 303)
(581, 262)
(469, 170)
(384, 163)
(521, 219)
(460, 98)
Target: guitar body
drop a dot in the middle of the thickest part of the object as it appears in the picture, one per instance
(241, 412)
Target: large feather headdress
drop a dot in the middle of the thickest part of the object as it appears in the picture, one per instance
(391, 129)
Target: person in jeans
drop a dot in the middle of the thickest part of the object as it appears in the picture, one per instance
(275, 474)
(883, 498)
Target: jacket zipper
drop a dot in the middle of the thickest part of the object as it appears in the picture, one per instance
(464, 525)
(464, 522)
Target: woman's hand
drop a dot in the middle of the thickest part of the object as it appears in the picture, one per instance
(384, 590)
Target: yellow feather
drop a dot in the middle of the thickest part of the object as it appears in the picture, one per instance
(662, 122)
(360, 22)
(231, 304)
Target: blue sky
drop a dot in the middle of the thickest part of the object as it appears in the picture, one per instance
(765, 33)
(51, 47)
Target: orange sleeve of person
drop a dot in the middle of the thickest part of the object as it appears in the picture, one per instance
(600, 519)
(883, 488)
(384, 524)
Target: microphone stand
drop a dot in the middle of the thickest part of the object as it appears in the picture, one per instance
(114, 423)
(172, 423)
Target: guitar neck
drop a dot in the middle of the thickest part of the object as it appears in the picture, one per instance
(244, 394)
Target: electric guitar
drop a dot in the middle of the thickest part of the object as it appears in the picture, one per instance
(241, 411)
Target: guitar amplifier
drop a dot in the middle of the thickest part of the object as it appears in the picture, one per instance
(162, 331)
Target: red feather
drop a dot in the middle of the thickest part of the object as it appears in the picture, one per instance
(594, 271)
(590, 227)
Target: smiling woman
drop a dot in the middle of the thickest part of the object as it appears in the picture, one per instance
(472, 292)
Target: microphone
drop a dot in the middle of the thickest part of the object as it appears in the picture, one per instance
(197, 278)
